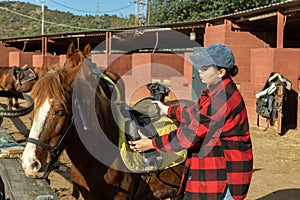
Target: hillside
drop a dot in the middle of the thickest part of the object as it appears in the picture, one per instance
(24, 19)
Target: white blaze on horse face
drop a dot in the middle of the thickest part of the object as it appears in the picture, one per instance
(28, 156)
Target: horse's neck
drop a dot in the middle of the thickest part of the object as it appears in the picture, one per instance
(5, 70)
(81, 156)
(6, 77)
(76, 149)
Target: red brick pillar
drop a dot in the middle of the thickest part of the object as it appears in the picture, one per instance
(280, 29)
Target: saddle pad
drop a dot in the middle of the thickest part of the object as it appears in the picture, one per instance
(28, 76)
(135, 162)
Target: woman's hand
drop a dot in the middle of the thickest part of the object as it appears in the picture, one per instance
(141, 145)
(163, 108)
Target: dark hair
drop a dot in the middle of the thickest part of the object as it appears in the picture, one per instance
(232, 71)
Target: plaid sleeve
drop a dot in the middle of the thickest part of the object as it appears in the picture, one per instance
(183, 114)
(206, 117)
(184, 136)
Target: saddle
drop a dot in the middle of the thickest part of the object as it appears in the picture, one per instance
(23, 75)
(141, 116)
(144, 116)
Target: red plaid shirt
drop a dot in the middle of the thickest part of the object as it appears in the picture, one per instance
(215, 131)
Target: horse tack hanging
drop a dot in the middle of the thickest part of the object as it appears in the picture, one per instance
(270, 100)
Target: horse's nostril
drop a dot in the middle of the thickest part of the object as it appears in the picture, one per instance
(36, 165)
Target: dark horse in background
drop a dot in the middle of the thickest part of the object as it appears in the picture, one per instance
(23, 78)
(19, 79)
(53, 130)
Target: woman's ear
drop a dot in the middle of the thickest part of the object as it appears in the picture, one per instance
(222, 72)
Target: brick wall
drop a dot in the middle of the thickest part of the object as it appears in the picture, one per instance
(139, 69)
(46, 60)
(239, 42)
(254, 57)
(256, 60)
(4, 58)
(17, 58)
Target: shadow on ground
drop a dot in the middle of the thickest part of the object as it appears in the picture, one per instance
(288, 194)
(20, 126)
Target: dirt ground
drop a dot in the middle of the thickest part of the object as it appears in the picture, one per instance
(276, 163)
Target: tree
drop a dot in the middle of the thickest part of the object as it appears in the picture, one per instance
(14, 24)
(168, 11)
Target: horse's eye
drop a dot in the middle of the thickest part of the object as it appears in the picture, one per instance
(58, 112)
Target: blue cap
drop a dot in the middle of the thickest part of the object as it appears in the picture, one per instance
(215, 54)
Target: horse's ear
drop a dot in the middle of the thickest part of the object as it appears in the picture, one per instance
(71, 50)
(87, 50)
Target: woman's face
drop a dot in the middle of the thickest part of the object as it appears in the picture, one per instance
(209, 75)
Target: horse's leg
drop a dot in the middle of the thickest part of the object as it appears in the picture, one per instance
(75, 192)
(16, 105)
(9, 103)
(165, 183)
(80, 187)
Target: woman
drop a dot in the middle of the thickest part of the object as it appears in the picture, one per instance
(215, 132)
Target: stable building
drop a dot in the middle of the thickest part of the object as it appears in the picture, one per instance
(264, 40)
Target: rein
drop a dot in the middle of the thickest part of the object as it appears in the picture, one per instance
(55, 151)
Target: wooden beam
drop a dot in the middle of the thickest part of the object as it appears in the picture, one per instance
(280, 29)
(108, 43)
(279, 105)
(13, 181)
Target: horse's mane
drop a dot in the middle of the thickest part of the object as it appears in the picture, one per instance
(49, 86)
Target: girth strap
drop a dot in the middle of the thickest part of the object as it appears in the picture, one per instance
(144, 181)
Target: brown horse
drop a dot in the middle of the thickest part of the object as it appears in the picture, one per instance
(19, 79)
(53, 130)
(23, 78)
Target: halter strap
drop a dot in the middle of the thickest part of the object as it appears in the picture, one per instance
(55, 151)
(41, 144)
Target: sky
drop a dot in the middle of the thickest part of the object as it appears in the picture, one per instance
(121, 8)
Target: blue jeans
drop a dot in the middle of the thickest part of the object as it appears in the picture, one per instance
(226, 195)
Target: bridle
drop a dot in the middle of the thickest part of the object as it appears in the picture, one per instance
(55, 151)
